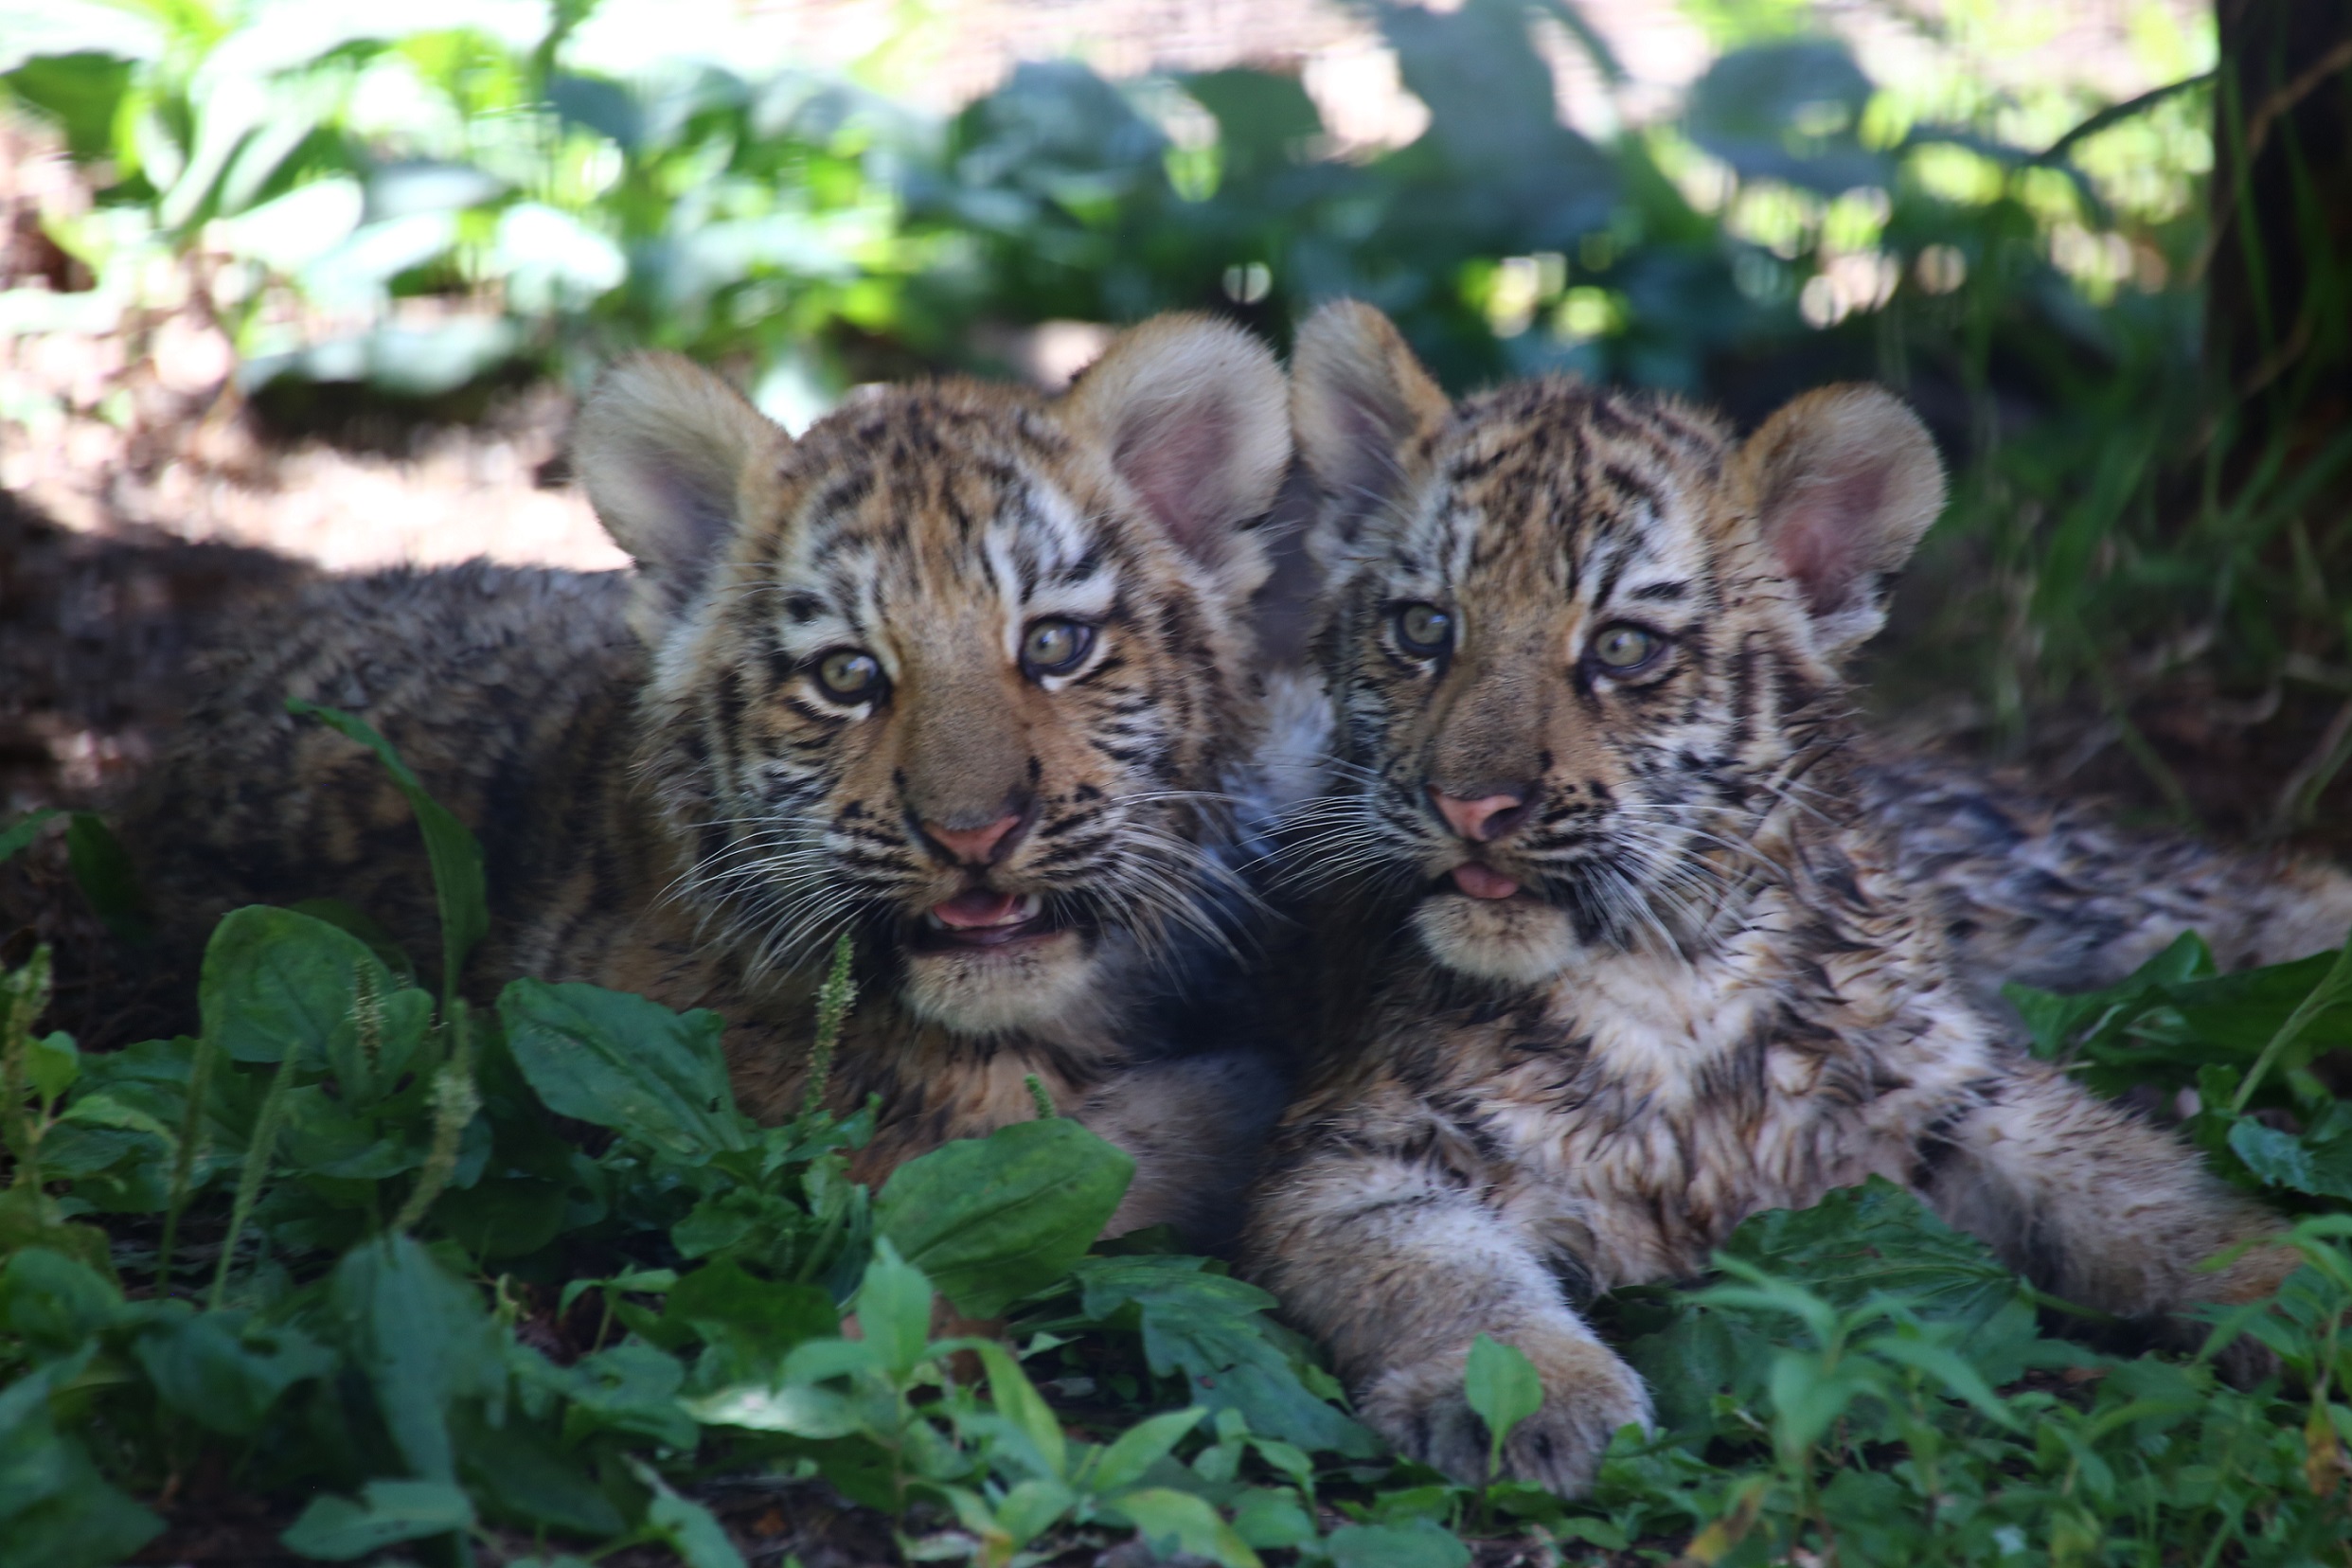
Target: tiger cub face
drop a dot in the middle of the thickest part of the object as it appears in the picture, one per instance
(961, 671)
(1578, 640)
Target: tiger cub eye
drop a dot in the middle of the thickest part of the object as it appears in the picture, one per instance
(1623, 647)
(1424, 630)
(1055, 646)
(849, 676)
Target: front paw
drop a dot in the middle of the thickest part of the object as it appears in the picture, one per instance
(1588, 1394)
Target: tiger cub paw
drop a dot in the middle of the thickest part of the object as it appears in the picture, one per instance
(1588, 1394)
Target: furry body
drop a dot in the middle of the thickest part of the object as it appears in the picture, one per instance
(1620, 952)
(819, 705)
(2054, 894)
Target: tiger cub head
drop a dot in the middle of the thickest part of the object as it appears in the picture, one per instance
(1579, 642)
(962, 671)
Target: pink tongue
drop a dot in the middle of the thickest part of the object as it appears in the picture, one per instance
(1479, 882)
(976, 908)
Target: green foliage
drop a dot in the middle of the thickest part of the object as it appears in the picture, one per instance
(1862, 1375)
(390, 1200)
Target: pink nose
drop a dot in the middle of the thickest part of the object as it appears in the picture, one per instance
(1477, 821)
(975, 846)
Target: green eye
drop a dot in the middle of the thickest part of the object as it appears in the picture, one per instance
(849, 676)
(1055, 646)
(1619, 648)
(1424, 630)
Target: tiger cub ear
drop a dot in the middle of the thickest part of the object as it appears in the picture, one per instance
(1190, 411)
(663, 447)
(1361, 405)
(1844, 481)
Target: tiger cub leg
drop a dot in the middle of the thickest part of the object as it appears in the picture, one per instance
(1400, 1270)
(2097, 1206)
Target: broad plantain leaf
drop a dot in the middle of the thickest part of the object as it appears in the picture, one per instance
(627, 1063)
(55, 1510)
(1213, 1330)
(421, 1339)
(274, 980)
(224, 1373)
(992, 1219)
(386, 1513)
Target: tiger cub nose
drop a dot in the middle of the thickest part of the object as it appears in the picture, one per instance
(1485, 819)
(982, 845)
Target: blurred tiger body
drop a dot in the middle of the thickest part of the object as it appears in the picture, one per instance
(964, 672)
(1618, 948)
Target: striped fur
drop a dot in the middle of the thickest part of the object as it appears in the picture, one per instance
(1612, 957)
(679, 800)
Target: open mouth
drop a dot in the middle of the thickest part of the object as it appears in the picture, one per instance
(1480, 881)
(981, 918)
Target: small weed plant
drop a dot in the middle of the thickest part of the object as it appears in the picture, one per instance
(391, 1278)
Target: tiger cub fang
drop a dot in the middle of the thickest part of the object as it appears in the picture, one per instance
(962, 671)
(1614, 959)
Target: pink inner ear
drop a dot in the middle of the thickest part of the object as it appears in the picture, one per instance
(1818, 534)
(1175, 464)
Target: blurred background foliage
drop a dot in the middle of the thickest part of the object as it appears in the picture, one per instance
(413, 199)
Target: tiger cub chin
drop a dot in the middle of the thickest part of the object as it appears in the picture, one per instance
(963, 671)
(1617, 956)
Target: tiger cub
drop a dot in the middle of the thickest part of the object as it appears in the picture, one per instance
(1617, 957)
(964, 671)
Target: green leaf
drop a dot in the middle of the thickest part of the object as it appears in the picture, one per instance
(992, 1219)
(103, 872)
(1420, 1544)
(894, 1310)
(1142, 1446)
(1032, 1507)
(1502, 1386)
(503, 1216)
(687, 1525)
(1268, 1518)
(1025, 1410)
(55, 1300)
(346, 917)
(797, 1409)
(457, 881)
(55, 1510)
(51, 1064)
(30, 1219)
(631, 1388)
(1174, 1521)
(21, 832)
(337, 1529)
(627, 1063)
(749, 1323)
(1213, 1330)
(421, 1339)
(275, 981)
(1878, 1237)
(224, 1373)
(2324, 1169)
(1961, 1379)
(520, 1474)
